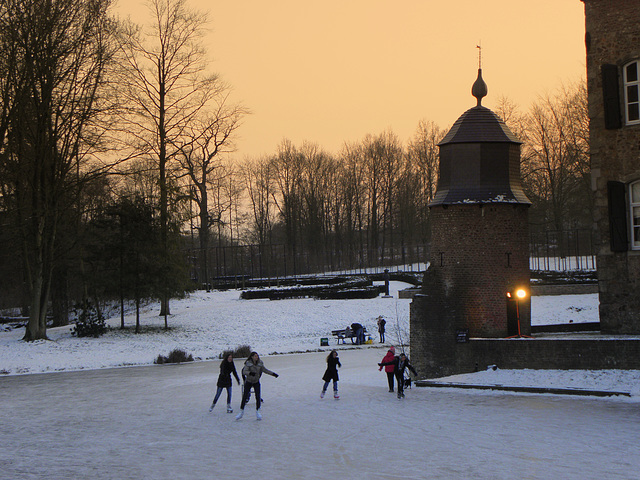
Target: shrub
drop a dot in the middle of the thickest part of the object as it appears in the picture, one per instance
(175, 356)
(241, 351)
(89, 321)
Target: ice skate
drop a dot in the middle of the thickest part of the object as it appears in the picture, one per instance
(211, 407)
(239, 416)
(229, 409)
(258, 415)
(322, 394)
(335, 395)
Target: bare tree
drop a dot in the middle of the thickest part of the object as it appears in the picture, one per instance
(556, 158)
(316, 176)
(353, 185)
(203, 143)
(53, 95)
(166, 83)
(381, 156)
(420, 181)
(258, 177)
(287, 171)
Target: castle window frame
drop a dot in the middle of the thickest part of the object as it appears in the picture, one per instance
(634, 213)
(631, 81)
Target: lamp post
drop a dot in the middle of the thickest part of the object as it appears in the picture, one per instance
(517, 295)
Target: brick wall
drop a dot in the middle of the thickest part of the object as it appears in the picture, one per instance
(435, 352)
(479, 253)
(613, 37)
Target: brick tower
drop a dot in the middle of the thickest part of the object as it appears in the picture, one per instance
(480, 244)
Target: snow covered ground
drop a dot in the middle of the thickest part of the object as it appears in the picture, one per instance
(205, 324)
(152, 422)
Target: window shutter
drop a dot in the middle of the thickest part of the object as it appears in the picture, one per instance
(611, 96)
(617, 217)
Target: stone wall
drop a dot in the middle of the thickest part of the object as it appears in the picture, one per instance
(568, 289)
(613, 38)
(436, 353)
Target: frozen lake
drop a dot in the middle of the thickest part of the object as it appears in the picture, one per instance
(153, 423)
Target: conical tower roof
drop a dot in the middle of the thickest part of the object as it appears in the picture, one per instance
(479, 124)
(479, 159)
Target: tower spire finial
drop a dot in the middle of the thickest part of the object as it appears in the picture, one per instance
(479, 88)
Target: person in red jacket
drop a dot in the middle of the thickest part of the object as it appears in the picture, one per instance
(401, 363)
(390, 367)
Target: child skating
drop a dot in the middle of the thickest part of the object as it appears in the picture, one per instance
(331, 374)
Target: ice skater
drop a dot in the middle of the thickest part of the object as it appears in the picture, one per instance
(227, 368)
(389, 367)
(401, 363)
(331, 374)
(251, 372)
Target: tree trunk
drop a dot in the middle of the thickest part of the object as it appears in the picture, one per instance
(36, 328)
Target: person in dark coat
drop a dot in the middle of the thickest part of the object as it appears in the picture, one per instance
(401, 363)
(358, 329)
(331, 374)
(381, 323)
(227, 368)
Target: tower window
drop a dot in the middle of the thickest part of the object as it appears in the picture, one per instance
(634, 207)
(632, 92)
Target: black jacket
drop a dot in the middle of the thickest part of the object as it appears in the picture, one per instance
(226, 369)
(331, 373)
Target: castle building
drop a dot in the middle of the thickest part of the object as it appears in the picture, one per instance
(479, 240)
(613, 80)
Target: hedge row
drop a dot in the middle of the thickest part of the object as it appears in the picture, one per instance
(355, 287)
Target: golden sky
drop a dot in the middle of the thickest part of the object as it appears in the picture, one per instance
(335, 70)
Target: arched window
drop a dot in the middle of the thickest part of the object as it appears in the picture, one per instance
(634, 208)
(631, 74)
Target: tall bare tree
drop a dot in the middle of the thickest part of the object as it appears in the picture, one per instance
(421, 175)
(167, 85)
(258, 177)
(202, 145)
(287, 172)
(53, 95)
(556, 158)
(382, 154)
(353, 185)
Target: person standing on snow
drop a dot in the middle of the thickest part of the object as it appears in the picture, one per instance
(389, 367)
(400, 363)
(331, 373)
(251, 372)
(227, 367)
(381, 323)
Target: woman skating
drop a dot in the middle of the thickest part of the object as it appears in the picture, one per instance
(331, 374)
(251, 373)
(227, 367)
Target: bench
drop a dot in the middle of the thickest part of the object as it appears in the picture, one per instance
(348, 333)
